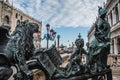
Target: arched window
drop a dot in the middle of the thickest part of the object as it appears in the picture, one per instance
(18, 22)
(6, 20)
(21, 17)
(16, 15)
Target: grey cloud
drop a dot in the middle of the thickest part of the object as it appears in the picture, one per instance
(61, 12)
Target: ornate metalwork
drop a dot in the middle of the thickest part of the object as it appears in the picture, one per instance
(51, 34)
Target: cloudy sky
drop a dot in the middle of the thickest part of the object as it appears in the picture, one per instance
(67, 17)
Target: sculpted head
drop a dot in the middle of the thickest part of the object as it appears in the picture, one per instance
(33, 27)
(102, 12)
(79, 42)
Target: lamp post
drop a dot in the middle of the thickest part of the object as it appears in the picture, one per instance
(48, 28)
(58, 40)
(51, 34)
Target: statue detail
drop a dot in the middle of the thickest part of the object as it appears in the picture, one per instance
(96, 55)
(100, 46)
(17, 51)
(74, 66)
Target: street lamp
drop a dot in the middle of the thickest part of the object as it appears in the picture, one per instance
(58, 40)
(51, 34)
(48, 28)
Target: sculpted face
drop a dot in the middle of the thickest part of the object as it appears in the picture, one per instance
(102, 12)
(78, 43)
(35, 27)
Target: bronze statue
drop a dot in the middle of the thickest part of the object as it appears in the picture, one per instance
(74, 66)
(76, 56)
(98, 50)
(100, 46)
(20, 49)
(47, 60)
(20, 43)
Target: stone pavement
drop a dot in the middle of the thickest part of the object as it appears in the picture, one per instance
(116, 77)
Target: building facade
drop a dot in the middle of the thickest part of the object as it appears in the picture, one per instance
(11, 16)
(113, 17)
(91, 33)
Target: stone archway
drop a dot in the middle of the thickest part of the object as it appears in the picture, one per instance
(18, 22)
(6, 19)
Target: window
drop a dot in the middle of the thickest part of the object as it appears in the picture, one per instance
(18, 22)
(21, 17)
(111, 19)
(118, 42)
(6, 20)
(117, 14)
(16, 15)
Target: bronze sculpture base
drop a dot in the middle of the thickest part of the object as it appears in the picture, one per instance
(106, 72)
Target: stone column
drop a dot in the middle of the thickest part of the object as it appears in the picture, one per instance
(109, 20)
(115, 46)
(111, 47)
(58, 41)
(119, 10)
